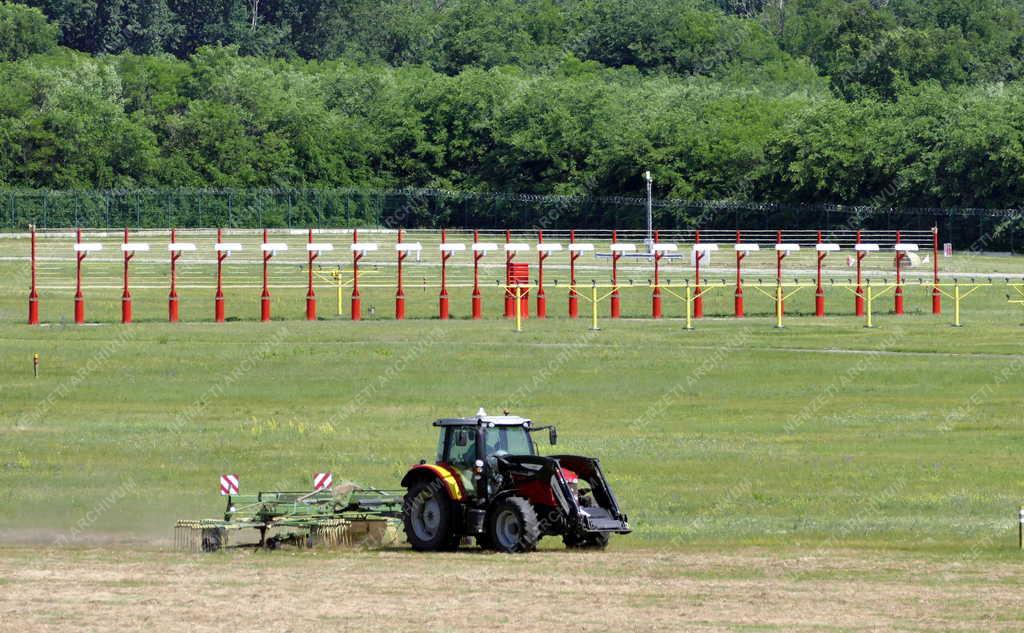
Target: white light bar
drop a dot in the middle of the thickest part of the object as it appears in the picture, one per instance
(270, 247)
(580, 248)
(549, 248)
(87, 247)
(904, 248)
(865, 248)
(364, 247)
(664, 248)
(408, 247)
(787, 248)
(223, 247)
(746, 248)
(319, 247)
(132, 247)
(516, 247)
(452, 248)
(622, 248)
(826, 248)
(483, 247)
(181, 246)
(705, 248)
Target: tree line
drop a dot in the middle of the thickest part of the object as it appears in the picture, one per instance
(906, 103)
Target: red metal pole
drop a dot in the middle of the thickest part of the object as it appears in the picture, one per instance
(400, 292)
(443, 299)
(126, 295)
(477, 300)
(698, 300)
(357, 302)
(265, 295)
(574, 300)
(859, 295)
(79, 299)
(616, 304)
(936, 294)
(542, 302)
(898, 294)
(172, 298)
(509, 295)
(218, 299)
(33, 294)
(310, 292)
(656, 295)
(819, 292)
(738, 295)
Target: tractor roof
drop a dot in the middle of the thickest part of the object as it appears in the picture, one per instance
(497, 420)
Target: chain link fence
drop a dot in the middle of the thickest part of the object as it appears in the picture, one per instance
(973, 229)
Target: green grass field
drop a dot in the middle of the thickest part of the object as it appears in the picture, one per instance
(778, 480)
(823, 434)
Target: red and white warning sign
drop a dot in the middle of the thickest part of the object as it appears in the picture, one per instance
(229, 484)
(322, 480)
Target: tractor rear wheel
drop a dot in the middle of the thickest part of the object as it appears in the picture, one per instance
(427, 516)
(512, 526)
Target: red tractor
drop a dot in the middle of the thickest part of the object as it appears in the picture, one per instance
(489, 483)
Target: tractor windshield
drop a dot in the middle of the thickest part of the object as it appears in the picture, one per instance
(514, 440)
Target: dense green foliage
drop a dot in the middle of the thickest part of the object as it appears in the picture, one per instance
(24, 31)
(910, 102)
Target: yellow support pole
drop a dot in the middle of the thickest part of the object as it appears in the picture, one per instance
(689, 306)
(519, 310)
(867, 305)
(956, 303)
(593, 307)
(778, 304)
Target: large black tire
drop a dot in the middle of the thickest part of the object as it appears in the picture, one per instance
(512, 526)
(593, 540)
(429, 518)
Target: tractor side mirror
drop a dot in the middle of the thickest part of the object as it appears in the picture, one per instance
(553, 436)
(461, 438)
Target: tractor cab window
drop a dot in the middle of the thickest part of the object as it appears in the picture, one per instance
(462, 446)
(514, 440)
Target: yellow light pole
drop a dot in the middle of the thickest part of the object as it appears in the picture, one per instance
(956, 303)
(689, 306)
(519, 309)
(778, 305)
(593, 306)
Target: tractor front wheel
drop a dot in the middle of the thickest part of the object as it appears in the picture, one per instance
(593, 540)
(513, 526)
(428, 517)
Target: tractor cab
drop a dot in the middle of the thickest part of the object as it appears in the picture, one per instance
(463, 441)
